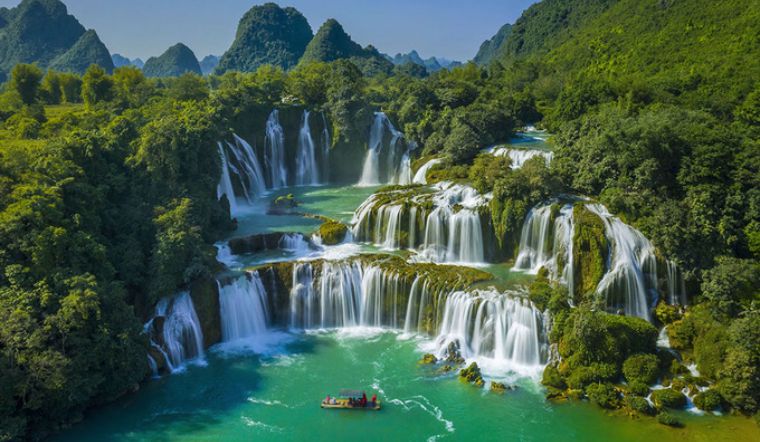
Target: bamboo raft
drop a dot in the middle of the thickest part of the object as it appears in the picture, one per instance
(342, 402)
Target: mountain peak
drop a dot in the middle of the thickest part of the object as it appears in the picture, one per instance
(177, 60)
(267, 34)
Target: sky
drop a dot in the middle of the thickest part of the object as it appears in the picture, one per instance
(444, 28)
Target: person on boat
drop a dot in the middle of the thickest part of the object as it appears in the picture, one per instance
(374, 400)
(351, 401)
(327, 400)
(364, 399)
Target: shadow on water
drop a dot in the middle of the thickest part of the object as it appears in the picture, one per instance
(186, 403)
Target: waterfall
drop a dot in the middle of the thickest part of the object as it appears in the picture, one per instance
(244, 165)
(626, 284)
(225, 183)
(547, 241)
(520, 156)
(325, 150)
(404, 176)
(307, 171)
(274, 154)
(421, 176)
(499, 326)
(395, 171)
(294, 242)
(676, 285)
(452, 231)
(243, 307)
(181, 335)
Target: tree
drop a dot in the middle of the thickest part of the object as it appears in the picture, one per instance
(97, 86)
(51, 88)
(25, 79)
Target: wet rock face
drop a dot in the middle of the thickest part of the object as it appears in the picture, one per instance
(205, 295)
(255, 243)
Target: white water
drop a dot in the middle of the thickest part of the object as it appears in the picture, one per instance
(520, 156)
(244, 164)
(421, 176)
(548, 243)
(307, 170)
(182, 338)
(452, 231)
(325, 150)
(397, 168)
(243, 308)
(676, 285)
(631, 279)
(274, 154)
(498, 326)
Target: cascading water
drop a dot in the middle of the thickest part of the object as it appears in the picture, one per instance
(243, 164)
(307, 170)
(274, 155)
(499, 326)
(243, 308)
(520, 156)
(628, 283)
(396, 170)
(547, 241)
(676, 285)
(452, 231)
(421, 176)
(325, 153)
(181, 337)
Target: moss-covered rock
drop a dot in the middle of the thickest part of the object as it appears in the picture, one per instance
(708, 400)
(604, 395)
(637, 388)
(205, 295)
(590, 251)
(332, 232)
(638, 404)
(552, 378)
(255, 243)
(668, 398)
(498, 387)
(428, 359)
(642, 368)
(472, 375)
(668, 419)
(283, 205)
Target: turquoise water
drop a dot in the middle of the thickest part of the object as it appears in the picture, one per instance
(270, 389)
(240, 396)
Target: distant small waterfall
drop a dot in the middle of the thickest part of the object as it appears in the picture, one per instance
(307, 170)
(676, 285)
(547, 241)
(520, 156)
(325, 152)
(398, 165)
(243, 307)
(179, 332)
(499, 326)
(274, 154)
(243, 164)
(421, 176)
(630, 282)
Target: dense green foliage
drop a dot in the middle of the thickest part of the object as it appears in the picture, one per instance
(177, 60)
(267, 34)
(490, 48)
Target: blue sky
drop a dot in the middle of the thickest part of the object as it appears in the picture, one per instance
(447, 28)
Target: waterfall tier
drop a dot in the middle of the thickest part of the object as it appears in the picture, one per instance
(520, 156)
(175, 331)
(420, 177)
(307, 170)
(243, 308)
(442, 224)
(386, 162)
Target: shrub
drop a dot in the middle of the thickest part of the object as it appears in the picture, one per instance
(552, 378)
(603, 395)
(638, 388)
(666, 313)
(667, 419)
(708, 400)
(638, 404)
(668, 398)
(641, 368)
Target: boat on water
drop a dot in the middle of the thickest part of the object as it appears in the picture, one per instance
(351, 400)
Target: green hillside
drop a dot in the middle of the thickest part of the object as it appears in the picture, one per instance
(86, 51)
(332, 43)
(490, 48)
(177, 60)
(267, 34)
